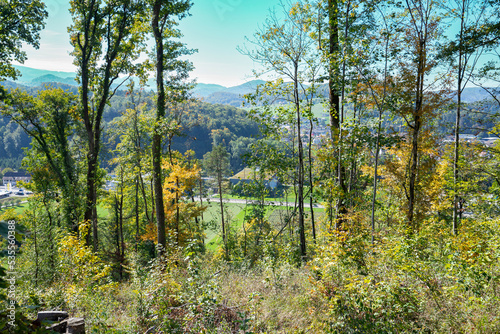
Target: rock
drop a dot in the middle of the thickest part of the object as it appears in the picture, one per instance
(76, 326)
(59, 327)
(63, 324)
(51, 316)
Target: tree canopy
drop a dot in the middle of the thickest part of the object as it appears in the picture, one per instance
(20, 22)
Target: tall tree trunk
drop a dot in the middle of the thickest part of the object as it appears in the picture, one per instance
(117, 231)
(35, 245)
(421, 63)
(153, 210)
(413, 174)
(461, 72)
(311, 183)
(122, 241)
(150, 218)
(417, 124)
(456, 160)
(157, 137)
(353, 167)
(177, 195)
(177, 211)
(374, 196)
(98, 35)
(89, 131)
(137, 232)
(223, 223)
(201, 199)
(300, 177)
(138, 147)
(333, 68)
(379, 127)
(335, 107)
(91, 199)
(52, 254)
(196, 220)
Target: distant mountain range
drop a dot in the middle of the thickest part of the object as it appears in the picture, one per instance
(35, 77)
(211, 93)
(474, 94)
(205, 90)
(233, 96)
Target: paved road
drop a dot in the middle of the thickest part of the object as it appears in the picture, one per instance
(242, 201)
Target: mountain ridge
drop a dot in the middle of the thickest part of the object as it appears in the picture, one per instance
(208, 92)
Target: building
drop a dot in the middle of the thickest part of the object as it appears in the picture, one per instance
(13, 177)
(489, 141)
(248, 175)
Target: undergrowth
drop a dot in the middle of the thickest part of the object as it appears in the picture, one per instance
(431, 282)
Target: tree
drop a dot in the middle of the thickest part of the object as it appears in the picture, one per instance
(333, 60)
(342, 40)
(377, 85)
(487, 35)
(183, 175)
(216, 164)
(171, 74)
(107, 41)
(419, 95)
(463, 53)
(21, 21)
(50, 120)
(429, 183)
(132, 132)
(285, 47)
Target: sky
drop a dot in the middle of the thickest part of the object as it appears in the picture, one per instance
(215, 28)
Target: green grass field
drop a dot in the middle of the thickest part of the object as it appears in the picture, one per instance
(290, 197)
(319, 111)
(236, 215)
(234, 212)
(19, 209)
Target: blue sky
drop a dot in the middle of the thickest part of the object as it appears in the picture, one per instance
(215, 28)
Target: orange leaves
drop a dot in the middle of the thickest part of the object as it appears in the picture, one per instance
(182, 177)
(429, 179)
(180, 180)
(151, 233)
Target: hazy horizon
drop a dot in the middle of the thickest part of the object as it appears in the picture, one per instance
(215, 28)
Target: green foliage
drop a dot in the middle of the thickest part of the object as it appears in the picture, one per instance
(38, 261)
(432, 282)
(216, 162)
(204, 120)
(21, 22)
(50, 120)
(80, 281)
(12, 141)
(181, 295)
(14, 314)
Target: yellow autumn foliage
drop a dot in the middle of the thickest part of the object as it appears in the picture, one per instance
(79, 265)
(430, 194)
(182, 177)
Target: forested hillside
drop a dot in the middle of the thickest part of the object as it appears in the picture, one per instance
(358, 191)
(200, 122)
(205, 117)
